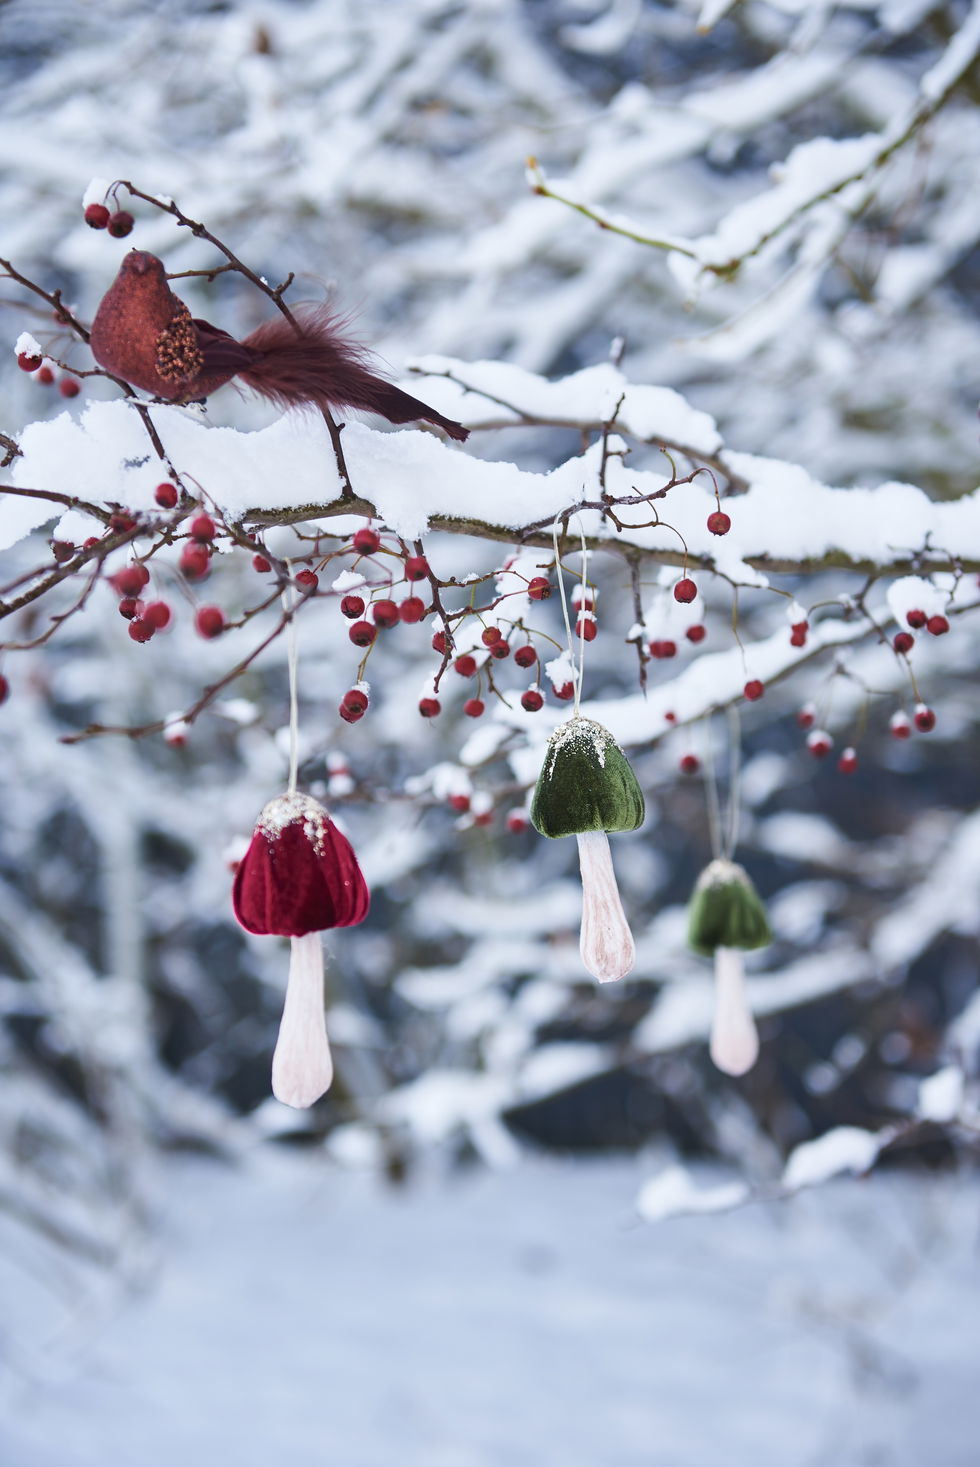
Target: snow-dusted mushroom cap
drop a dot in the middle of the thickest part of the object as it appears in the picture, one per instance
(586, 783)
(299, 874)
(726, 911)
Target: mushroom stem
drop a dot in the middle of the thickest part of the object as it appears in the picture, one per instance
(301, 1066)
(734, 1042)
(607, 944)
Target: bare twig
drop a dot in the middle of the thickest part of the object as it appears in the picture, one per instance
(140, 731)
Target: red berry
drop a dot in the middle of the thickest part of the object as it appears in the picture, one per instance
(355, 701)
(483, 817)
(586, 628)
(697, 633)
(685, 590)
(465, 665)
(807, 716)
(848, 762)
(516, 822)
(45, 376)
(166, 495)
(416, 568)
(195, 562)
(500, 650)
(660, 649)
(366, 541)
(62, 550)
(307, 581)
(130, 580)
(900, 726)
(800, 627)
(532, 700)
(915, 619)
(412, 609)
(429, 707)
(4, 689)
(566, 692)
(69, 387)
(937, 625)
(130, 607)
(525, 656)
(92, 540)
(670, 716)
(385, 613)
(460, 803)
(260, 564)
(819, 743)
(539, 588)
(96, 216)
(140, 630)
(352, 606)
(753, 690)
(202, 528)
(690, 764)
(474, 707)
(28, 363)
(797, 638)
(120, 224)
(719, 522)
(490, 635)
(157, 614)
(439, 643)
(362, 633)
(903, 642)
(210, 621)
(925, 719)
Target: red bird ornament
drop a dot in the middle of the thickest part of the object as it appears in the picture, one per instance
(146, 335)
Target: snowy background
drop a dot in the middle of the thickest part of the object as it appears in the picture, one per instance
(754, 240)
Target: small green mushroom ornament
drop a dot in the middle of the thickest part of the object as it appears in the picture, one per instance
(726, 918)
(586, 788)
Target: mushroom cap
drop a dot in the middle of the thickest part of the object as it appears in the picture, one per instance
(585, 783)
(726, 911)
(299, 874)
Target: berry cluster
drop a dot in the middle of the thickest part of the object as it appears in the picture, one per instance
(43, 373)
(147, 617)
(373, 610)
(118, 223)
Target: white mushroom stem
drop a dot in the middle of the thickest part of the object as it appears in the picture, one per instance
(301, 1066)
(734, 1041)
(607, 943)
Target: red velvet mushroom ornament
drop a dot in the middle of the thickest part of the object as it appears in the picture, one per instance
(298, 878)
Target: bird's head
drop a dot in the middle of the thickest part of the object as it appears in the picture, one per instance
(140, 263)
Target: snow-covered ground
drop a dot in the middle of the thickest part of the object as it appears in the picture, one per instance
(303, 1316)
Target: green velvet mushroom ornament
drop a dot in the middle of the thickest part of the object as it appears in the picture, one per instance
(586, 788)
(726, 918)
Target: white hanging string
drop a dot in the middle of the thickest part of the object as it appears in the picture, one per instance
(711, 792)
(723, 828)
(578, 676)
(734, 779)
(292, 662)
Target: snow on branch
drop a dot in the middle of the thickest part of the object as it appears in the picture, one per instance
(841, 172)
(786, 521)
